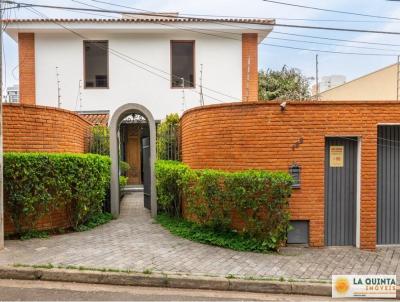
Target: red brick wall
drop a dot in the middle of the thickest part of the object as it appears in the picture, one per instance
(29, 128)
(26, 49)
(53, 220)
(249, 71)
(258, 135)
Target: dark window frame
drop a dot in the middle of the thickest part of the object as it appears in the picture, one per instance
(194, 63)
(84, 64)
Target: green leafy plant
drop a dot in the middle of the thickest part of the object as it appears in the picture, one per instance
(38, 183)
(285, 84)
(94, 221)
(168, 138)
(124, 167)
(123, 181)
(168, 184)
(99, 142)
(207, 235)
(34, 234)
(213, 199)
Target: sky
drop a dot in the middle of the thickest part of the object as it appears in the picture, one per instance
(352, 66)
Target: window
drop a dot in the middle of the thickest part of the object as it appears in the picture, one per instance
(182, 63)
(96, 64)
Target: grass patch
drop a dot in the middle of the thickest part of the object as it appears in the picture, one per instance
(95, 221)
(207, 235)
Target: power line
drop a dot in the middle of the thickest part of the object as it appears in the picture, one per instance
(289, 19)
(308, 42)
(335, 39)
(267, 44)
(227, 16)
(205, 19)
(331, 10)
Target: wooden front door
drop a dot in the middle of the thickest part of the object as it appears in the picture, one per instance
(133, 155)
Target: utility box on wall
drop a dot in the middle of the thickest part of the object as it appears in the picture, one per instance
(299, 232)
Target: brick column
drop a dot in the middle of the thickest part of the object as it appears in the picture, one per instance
(249, 67)
(26, 49)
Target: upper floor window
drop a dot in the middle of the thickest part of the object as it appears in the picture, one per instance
(96, 64)
(182, 64)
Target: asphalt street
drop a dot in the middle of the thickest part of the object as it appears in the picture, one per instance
(20, 290)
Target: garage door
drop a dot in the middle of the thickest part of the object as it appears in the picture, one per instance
(340, 190)
(388, 206)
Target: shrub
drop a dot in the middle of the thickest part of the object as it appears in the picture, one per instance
(38, 183)
(168, 138)
(99, 142)
(168, 176)
(124, 167)
(203, 234)
(123, 181)
(213, 198)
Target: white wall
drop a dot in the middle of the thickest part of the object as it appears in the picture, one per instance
(221, 59)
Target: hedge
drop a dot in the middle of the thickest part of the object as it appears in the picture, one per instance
(38, 183)
(213, 198)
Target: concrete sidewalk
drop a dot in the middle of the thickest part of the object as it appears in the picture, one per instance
(134, 242)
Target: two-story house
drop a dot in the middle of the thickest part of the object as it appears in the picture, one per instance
(166, 63)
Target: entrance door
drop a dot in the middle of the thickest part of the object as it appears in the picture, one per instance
(388, 206)
(133, 155)
(146, 172)
(340, 190)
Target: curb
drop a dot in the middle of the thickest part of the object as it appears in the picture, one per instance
(164, 280)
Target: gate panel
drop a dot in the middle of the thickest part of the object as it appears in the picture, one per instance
(388, 191)
(146, 172)
(340, 191)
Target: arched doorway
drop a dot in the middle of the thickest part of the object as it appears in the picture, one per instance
(117, 118)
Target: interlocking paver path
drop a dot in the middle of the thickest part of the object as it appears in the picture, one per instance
(135, 242)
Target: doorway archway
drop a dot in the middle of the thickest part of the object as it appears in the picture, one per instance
(117, 117)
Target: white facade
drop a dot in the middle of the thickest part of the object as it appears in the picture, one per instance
(130, 46)
(12, 94)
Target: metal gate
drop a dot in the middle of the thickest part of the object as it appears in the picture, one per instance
(388, 206)
(146, 172)
(340, 190)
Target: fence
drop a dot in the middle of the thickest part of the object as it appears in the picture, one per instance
(168, 142)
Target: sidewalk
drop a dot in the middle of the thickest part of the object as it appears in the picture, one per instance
(134, 242)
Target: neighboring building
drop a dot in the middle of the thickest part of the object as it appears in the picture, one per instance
(131, 60)
(12, 94)
(328, 82)
(375, 86)
(96, 117)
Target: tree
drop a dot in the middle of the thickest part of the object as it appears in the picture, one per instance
(286, 84)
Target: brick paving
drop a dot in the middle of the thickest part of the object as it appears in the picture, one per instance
(135, 242)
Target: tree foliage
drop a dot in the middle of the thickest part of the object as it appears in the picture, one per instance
(168, 138)
(285, 84)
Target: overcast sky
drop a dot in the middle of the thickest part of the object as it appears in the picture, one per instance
(269, 57)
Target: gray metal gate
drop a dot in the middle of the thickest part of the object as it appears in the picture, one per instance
(146, 172)
(340, 190)
(388, 206)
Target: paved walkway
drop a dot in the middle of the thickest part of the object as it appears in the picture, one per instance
(135, 242)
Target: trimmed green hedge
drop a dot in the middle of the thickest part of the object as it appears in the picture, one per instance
(37, 183)
(169, 175)
(213, 198)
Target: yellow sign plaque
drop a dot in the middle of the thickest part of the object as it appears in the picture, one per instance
(336, 156)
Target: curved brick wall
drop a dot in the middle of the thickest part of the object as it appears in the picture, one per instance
(240, 136)
(30, 128)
